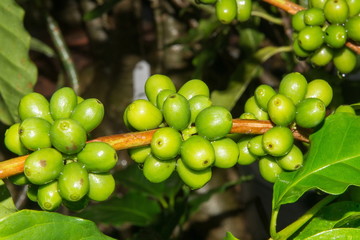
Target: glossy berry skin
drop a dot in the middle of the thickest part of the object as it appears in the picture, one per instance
(262, 95)
(278, 141)
(35, 133)
(336, 11)
(73, 182)
(322, 56)
(19, 179)
(269, 169)
(298, 50)
(345, 109)
(245, 156)
(320, 89)
(247, 116)
(62, 103)
(192, 178)
(32, 192)
(68, 136)
(317, 3)
(310, 38)
(255, 146)
(292, 161)
(226, 153)
(193, 88)
(345, 60)
(165, 143)
(34, 105)
(354, 7)
(335, 36)
(162, 96)
(197, 153)
(101, 186)
(226, 11)
(48, 196)
(43, 166)
(176, 111)
(98, 157)
(281, 110)
(244, 8)
(252, 107)
(314, 17)
(352, 28)
(155, 83)
(310, 112)
(12, 140)
(157, 171)
(294, 86)
(197, 104)
(139, 154)
(143, 115)
(89, 113)
(298, 21)
(214, 122)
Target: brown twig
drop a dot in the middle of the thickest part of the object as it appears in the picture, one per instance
(293, 8)
(134, 139)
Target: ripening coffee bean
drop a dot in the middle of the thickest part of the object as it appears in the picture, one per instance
(48, 196)
(317, 3)
(214, 122)
(269, 169)
(98, 157)
(352, 27)
(345, 60)
(245, 156)
(162, 96)
(247, 116)
(68, 136)
(192, 178)
(157, 171)
(310, 112)
(252, 107)
(73, 182)
(62, 103)
(262, 95)
(197, 153)
(12, 140)
(345, 109)
(32, 192)
(294, 86)
(89, 113)
(43, 166)
(101, 186)
(314, 17)
(143, 115)
(139, 154)
(298, 50)
(35, 133)
(244, 8)
(336, 11)
(193, 88)
(335, 36)
(126, 121)
(255, 146)
(35, 105)
(155, 83)
(281, 110)
(197, 104)
(320, 89)
(293, 160)
(226, 10)
(354, 7)
(165, 143)
(311, 38)
(322, 56)
(278, 141)
(19, 179)
(298, 21)
(226, 153)
(176, 111)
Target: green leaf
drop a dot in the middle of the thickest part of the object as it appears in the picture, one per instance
(18, 74)
(7, 205)
(332, 163)
(100, 10)
(229, 236)
(134, 208)
(332, 216)
(35, 225)
(337, 234)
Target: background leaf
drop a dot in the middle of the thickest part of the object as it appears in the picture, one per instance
(18, 74)
(35, 225)
(332, 163)
(337, 234)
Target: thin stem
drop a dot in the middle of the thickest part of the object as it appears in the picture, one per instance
(273, 222)
(267, 17)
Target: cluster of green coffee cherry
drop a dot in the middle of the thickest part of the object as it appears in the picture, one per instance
(321, 31)
(229, 10)
(297, 104)
(192, 133)
(61, 167)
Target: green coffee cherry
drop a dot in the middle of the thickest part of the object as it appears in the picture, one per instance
(269, 169)
(73, 182)
(255, 146)
(317, 3)
(354, 7)
(12, 140)
(19, 179)
(298, 21)
(193, 88)
(281, 110)
(352, 28)
(336, 11)
(345, 60)
(43, 166)
(335, 36)
(322, 56)
(226, 10)
(77, 205)
(63, 102)
(214, 122)
(166, 143)
(226, 153)
(155, 83)
(162, 96)
(32, 192)
(294, 86)
(278, 141)
(125, 120)
(35, 133)
(157, 171)
(34, 105)
(176, 110)
(314, 17)
(197, 104)
(244, 8)
(48, 196)
(80, 99)
(311, 38)
(252, 107)
(293, 160)
(345, 109)
(320, 89)
(98, 157)
(67, 136)
(298, 50)
(262, 95)
(310, 112)
(248, 116)
(197, 153)
(89, 113)
(245, 156)
(139, 154)
(194, 179)
(143, 115)
(101, 186)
